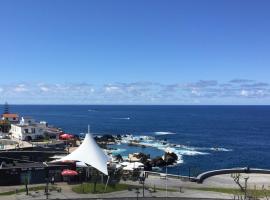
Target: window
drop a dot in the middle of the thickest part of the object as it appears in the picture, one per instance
(33, 130)
(25, 130)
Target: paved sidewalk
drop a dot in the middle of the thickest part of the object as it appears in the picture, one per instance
(67, 193)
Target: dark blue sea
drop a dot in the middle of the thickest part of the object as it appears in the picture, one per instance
(242, 130)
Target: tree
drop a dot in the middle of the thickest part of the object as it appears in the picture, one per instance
(236, 178)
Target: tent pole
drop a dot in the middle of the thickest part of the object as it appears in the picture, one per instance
(107, 183)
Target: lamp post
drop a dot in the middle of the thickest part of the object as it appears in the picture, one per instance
(179, 171)
(47, 182)
(137, 192)
(166, 180)
(189, 168)
(166, 160)
(143, 179)
(26, 182)
(47, 187)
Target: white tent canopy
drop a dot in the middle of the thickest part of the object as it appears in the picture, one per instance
(90, 153)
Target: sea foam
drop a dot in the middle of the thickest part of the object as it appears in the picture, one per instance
(117, 151)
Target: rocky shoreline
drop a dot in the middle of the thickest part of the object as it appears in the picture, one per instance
(168, 159)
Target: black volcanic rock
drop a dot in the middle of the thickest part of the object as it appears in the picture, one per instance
(170, 159)
(105, 138)
(148, 166)
(143, 157)
(158, 162)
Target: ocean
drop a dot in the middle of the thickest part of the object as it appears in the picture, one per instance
(240, 133)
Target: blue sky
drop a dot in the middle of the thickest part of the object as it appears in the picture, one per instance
(135, 52)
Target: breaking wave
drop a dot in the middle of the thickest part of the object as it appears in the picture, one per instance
(165, 146)
(212, 149)
(164, 133)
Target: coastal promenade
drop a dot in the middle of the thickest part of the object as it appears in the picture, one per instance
(177, 189)
(67, 193)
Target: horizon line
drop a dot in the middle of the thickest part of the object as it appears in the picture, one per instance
(137, 104)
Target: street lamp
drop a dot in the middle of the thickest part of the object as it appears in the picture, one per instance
(137, 192)
(179, 171)
(166, 160)
(47, 187)
(166, 180)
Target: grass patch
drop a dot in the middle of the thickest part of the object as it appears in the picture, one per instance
(86, 188)
(222, 190)
(36, 188)
(7, 193)
(169, 190)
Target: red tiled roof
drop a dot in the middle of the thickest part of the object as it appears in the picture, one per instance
(9, 115)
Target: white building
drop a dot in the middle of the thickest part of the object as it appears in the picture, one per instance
(28, 130)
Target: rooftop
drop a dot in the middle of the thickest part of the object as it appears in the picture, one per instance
(10, 115)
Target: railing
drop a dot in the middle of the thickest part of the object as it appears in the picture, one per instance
(200, 178)
(183, 178)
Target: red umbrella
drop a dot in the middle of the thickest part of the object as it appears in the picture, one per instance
(68, 172)
(66, 136)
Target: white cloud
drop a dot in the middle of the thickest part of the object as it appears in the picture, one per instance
(20, 88)
(203, 91)
(244, 93)
(240, 81)
(44, 89)
(112, 89)
(195, 92)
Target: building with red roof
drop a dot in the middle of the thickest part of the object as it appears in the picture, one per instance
(12, 118)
